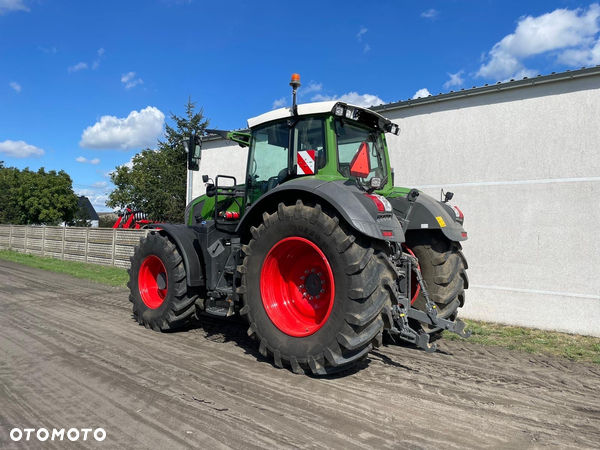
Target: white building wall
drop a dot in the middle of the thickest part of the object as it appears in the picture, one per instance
(524, 165)
(220, 157)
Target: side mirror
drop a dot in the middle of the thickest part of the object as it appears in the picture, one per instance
(211, 190)
(193, 147)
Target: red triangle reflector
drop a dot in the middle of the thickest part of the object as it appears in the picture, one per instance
(361, 164)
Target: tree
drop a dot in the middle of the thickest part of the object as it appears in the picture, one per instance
(156, 183)
(9, 208)
(41, 198)
(106, 221)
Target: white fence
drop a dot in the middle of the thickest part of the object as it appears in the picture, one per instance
(105, 246)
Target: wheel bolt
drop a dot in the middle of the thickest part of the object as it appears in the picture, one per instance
(322, 281)
(322, 290)
(302, 277)
(318, 297)
(306, 272)
(313, 270)
(301, 286)
(310, 298)
(319, 274)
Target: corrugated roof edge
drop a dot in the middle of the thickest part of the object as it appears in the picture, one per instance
(491, 88)
(486, 89)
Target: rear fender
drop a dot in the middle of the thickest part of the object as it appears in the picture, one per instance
(345, 197)
(188, 245)
(429, 214)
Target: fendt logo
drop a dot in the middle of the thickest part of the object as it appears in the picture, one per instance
(42, 434)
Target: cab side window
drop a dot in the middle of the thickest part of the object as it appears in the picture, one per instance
(309, 134)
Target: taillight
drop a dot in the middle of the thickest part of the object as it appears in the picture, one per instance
(458, 213)
(381, 202)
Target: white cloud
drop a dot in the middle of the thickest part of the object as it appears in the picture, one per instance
(96, 62)
(20, 149)
(362, 31)
(7, 6)
(137, 130)
(367, 48)
(566, 33)
(309, 88)
(77, 67)
(16, 86)
(585, 56)
(100, 184)
(130, 81)
(456, 79)
(81, 159)
(421, 93)
(48, 50)
(430, 14)
(364, 100)
(279, 103)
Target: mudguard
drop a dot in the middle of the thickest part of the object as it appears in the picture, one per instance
(429, 214)
(187, 242)
(351, 203)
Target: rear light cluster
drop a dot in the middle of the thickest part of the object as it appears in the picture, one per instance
(383, 206)
(459, 215)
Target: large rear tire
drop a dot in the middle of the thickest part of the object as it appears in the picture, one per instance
(313, 291)
(444, 270)
(158, 287)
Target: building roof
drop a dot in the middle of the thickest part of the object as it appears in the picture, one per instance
(84, 202)
(491, 88)
(452, 95)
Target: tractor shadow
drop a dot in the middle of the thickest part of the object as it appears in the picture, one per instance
(224, 330)
(234, 330)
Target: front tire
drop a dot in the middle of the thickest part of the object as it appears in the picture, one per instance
(158, 287)
(308, 334)
(444, 270)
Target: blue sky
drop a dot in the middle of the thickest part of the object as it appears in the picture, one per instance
(84, 85)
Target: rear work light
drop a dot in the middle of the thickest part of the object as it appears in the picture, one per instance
(383, 206)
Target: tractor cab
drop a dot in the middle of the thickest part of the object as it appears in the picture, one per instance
(326, 141)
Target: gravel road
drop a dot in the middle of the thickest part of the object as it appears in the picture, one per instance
(72, 357)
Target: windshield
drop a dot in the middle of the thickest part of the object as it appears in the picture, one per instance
(350, 140)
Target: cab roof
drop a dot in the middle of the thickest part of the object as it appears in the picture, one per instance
(305, 109)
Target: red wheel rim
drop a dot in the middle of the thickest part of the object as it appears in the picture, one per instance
(414, 284)
(152, 282)
(297, 287)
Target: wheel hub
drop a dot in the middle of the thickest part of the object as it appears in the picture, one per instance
(297, 287)
(152, 281)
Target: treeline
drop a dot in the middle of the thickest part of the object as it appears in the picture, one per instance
(36, 198)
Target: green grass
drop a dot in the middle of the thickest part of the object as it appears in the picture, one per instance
(573, 347)
(99, 274)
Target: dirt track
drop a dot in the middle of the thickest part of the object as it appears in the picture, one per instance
(71, 356)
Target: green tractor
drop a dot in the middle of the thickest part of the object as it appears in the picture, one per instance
(317, 249)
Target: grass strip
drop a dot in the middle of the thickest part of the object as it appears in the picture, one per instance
(111, 276)
(571, 346)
